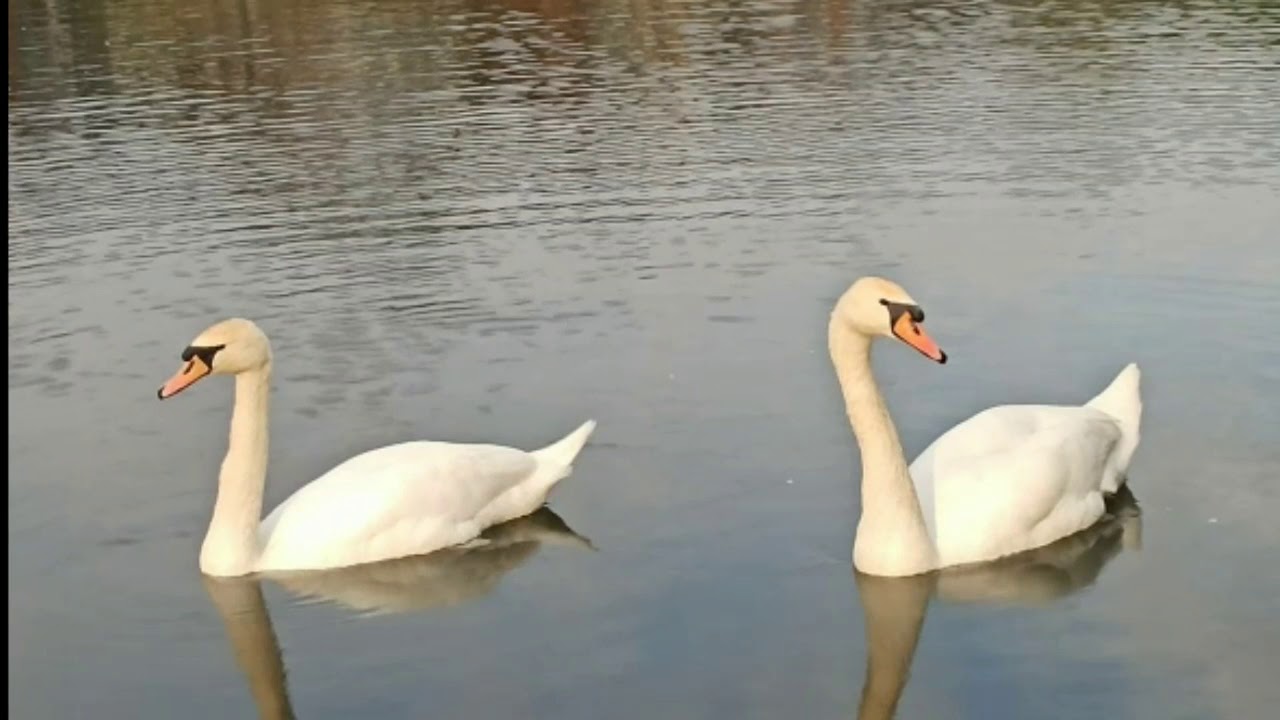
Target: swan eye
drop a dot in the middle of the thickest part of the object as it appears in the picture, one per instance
(897, 310)
(204, 352)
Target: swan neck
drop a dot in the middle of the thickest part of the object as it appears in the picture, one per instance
(892, 538)
(873, 428)
(231, 544)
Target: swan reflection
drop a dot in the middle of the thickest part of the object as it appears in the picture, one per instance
(443, 578)
(894, 608)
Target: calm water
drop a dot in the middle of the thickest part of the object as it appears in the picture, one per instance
(491, 220)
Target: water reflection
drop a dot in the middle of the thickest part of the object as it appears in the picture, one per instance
(457, 215)
(895, 608)
(441, 579)
(244, 614)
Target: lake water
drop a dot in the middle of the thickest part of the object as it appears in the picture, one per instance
(491, 220)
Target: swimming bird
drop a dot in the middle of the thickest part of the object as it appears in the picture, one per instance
(405, 499)
(1011, 478)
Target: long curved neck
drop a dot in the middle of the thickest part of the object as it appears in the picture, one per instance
(892, 538)
(231, 545)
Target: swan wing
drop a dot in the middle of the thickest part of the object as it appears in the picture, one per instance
(390, 502)
(1014, 477)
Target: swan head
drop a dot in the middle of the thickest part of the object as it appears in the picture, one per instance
(230, 347)
(876, 307)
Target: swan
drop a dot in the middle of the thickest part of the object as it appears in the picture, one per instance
(1010, 478)
(395, 501)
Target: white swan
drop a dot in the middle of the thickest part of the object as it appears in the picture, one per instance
(395, 501)
(1009, 479)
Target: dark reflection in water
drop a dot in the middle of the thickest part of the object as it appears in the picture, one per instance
(441, 579)
(894, 608)
(487, 220)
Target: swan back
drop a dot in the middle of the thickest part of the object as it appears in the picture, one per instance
(390, 502)
(411, 498)
(1014, 477)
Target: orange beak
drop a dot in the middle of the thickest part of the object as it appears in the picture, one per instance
(910, 332)
(184, 378)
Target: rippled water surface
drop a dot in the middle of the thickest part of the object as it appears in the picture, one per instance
(491, 220)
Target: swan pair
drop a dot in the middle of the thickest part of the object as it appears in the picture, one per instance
(1009, 479)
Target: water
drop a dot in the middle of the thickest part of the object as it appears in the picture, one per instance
(492, 220)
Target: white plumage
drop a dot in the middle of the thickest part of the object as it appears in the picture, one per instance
(392, 502)
(408, 499)
(1009, 479)
(1015, 477)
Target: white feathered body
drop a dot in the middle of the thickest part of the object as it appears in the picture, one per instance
(1017, 477)
(410, 499)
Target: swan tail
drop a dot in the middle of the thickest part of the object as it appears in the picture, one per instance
(563, 452)
(1122, 400)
